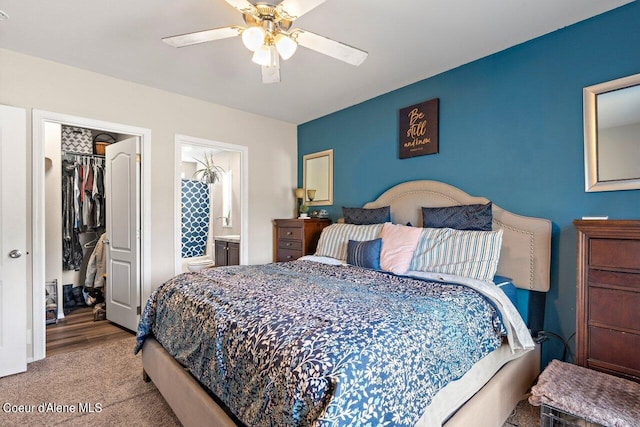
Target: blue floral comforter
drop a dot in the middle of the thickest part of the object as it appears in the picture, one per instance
(303, 343)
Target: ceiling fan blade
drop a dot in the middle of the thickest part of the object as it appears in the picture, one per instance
(202, 36)
(332, 48)
(293, 9)
(270, 74)
(243, 6)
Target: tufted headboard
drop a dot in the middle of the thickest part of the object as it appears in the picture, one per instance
(526, 242)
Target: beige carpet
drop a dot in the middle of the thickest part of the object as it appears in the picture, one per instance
(104, 386)
(106, 380)
(524, 415)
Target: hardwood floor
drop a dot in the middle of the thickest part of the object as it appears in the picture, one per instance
(78, 330)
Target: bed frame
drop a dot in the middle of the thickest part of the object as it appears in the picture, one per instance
(525, 257)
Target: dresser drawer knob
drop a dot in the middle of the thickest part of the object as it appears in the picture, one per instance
(289, 233)
(289, 257)
(288, 243)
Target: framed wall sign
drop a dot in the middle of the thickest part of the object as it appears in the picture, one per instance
(418, 133)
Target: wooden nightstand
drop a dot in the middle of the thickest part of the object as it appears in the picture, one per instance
(294, 238)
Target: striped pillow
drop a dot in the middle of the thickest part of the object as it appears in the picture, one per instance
(466, 253)
(364, 254)
(334, 238)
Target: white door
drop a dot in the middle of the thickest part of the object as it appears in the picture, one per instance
(122, 193)
(13, 241)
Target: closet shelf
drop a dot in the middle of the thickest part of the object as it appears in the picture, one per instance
(71, 153)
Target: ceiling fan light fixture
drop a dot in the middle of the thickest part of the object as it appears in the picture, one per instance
(286, 46)
(266, 55)
(253, 38)
(268, 33)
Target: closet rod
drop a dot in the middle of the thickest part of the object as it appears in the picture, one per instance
(71, 153)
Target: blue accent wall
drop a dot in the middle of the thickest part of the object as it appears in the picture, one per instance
(511, 130)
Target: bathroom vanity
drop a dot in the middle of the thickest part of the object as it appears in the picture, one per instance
(227, 250)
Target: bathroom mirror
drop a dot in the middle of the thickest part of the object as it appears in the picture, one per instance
(612, 135)
(318, 175)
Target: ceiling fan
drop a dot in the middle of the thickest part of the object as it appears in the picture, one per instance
(270, 36)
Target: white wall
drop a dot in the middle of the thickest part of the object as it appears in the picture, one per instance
(34, 83)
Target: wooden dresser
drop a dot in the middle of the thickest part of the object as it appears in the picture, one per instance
(608, 296)
(294, 238)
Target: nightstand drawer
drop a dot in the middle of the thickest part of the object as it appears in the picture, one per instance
(288, 255)
(290, 233)
(290, 244)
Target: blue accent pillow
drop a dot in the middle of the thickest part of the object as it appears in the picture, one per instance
(501, 280)
(364, 254)
(362, 216)
(462, 217)
(507, 287)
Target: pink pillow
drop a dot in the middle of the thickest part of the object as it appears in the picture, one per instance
(398, 244)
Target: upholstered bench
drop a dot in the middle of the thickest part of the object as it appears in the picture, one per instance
(571, 395)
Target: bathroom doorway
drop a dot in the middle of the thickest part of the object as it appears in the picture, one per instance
(210, 215)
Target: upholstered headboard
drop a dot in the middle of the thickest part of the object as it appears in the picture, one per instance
(526, 242)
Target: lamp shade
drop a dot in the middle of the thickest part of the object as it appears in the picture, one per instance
(299, 193)
(286, 47)
(261, 56)
(253, 38)
(267, 56)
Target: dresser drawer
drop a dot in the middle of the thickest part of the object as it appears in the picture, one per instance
(615, 253)
(615, 279)
(614, 308)
(290, 244)
(288, 254)
(615, 348)
(290, 233)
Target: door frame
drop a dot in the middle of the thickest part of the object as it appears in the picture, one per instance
(39, 117)
(179, 140)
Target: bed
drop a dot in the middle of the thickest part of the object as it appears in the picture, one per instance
(486, 390)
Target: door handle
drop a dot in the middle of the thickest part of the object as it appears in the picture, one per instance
(15, 254)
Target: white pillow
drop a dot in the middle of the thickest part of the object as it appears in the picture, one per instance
(334, 238)
(466, 253)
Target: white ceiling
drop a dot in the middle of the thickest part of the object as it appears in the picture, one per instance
(407, 41)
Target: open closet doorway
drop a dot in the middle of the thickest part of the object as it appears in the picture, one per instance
(211, 203)
(79, 205)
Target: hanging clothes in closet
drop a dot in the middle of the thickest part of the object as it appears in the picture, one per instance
(83, 207)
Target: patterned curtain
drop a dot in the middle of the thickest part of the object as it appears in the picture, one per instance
(195, 218)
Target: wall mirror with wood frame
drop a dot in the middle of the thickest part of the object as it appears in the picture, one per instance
(318, 175)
